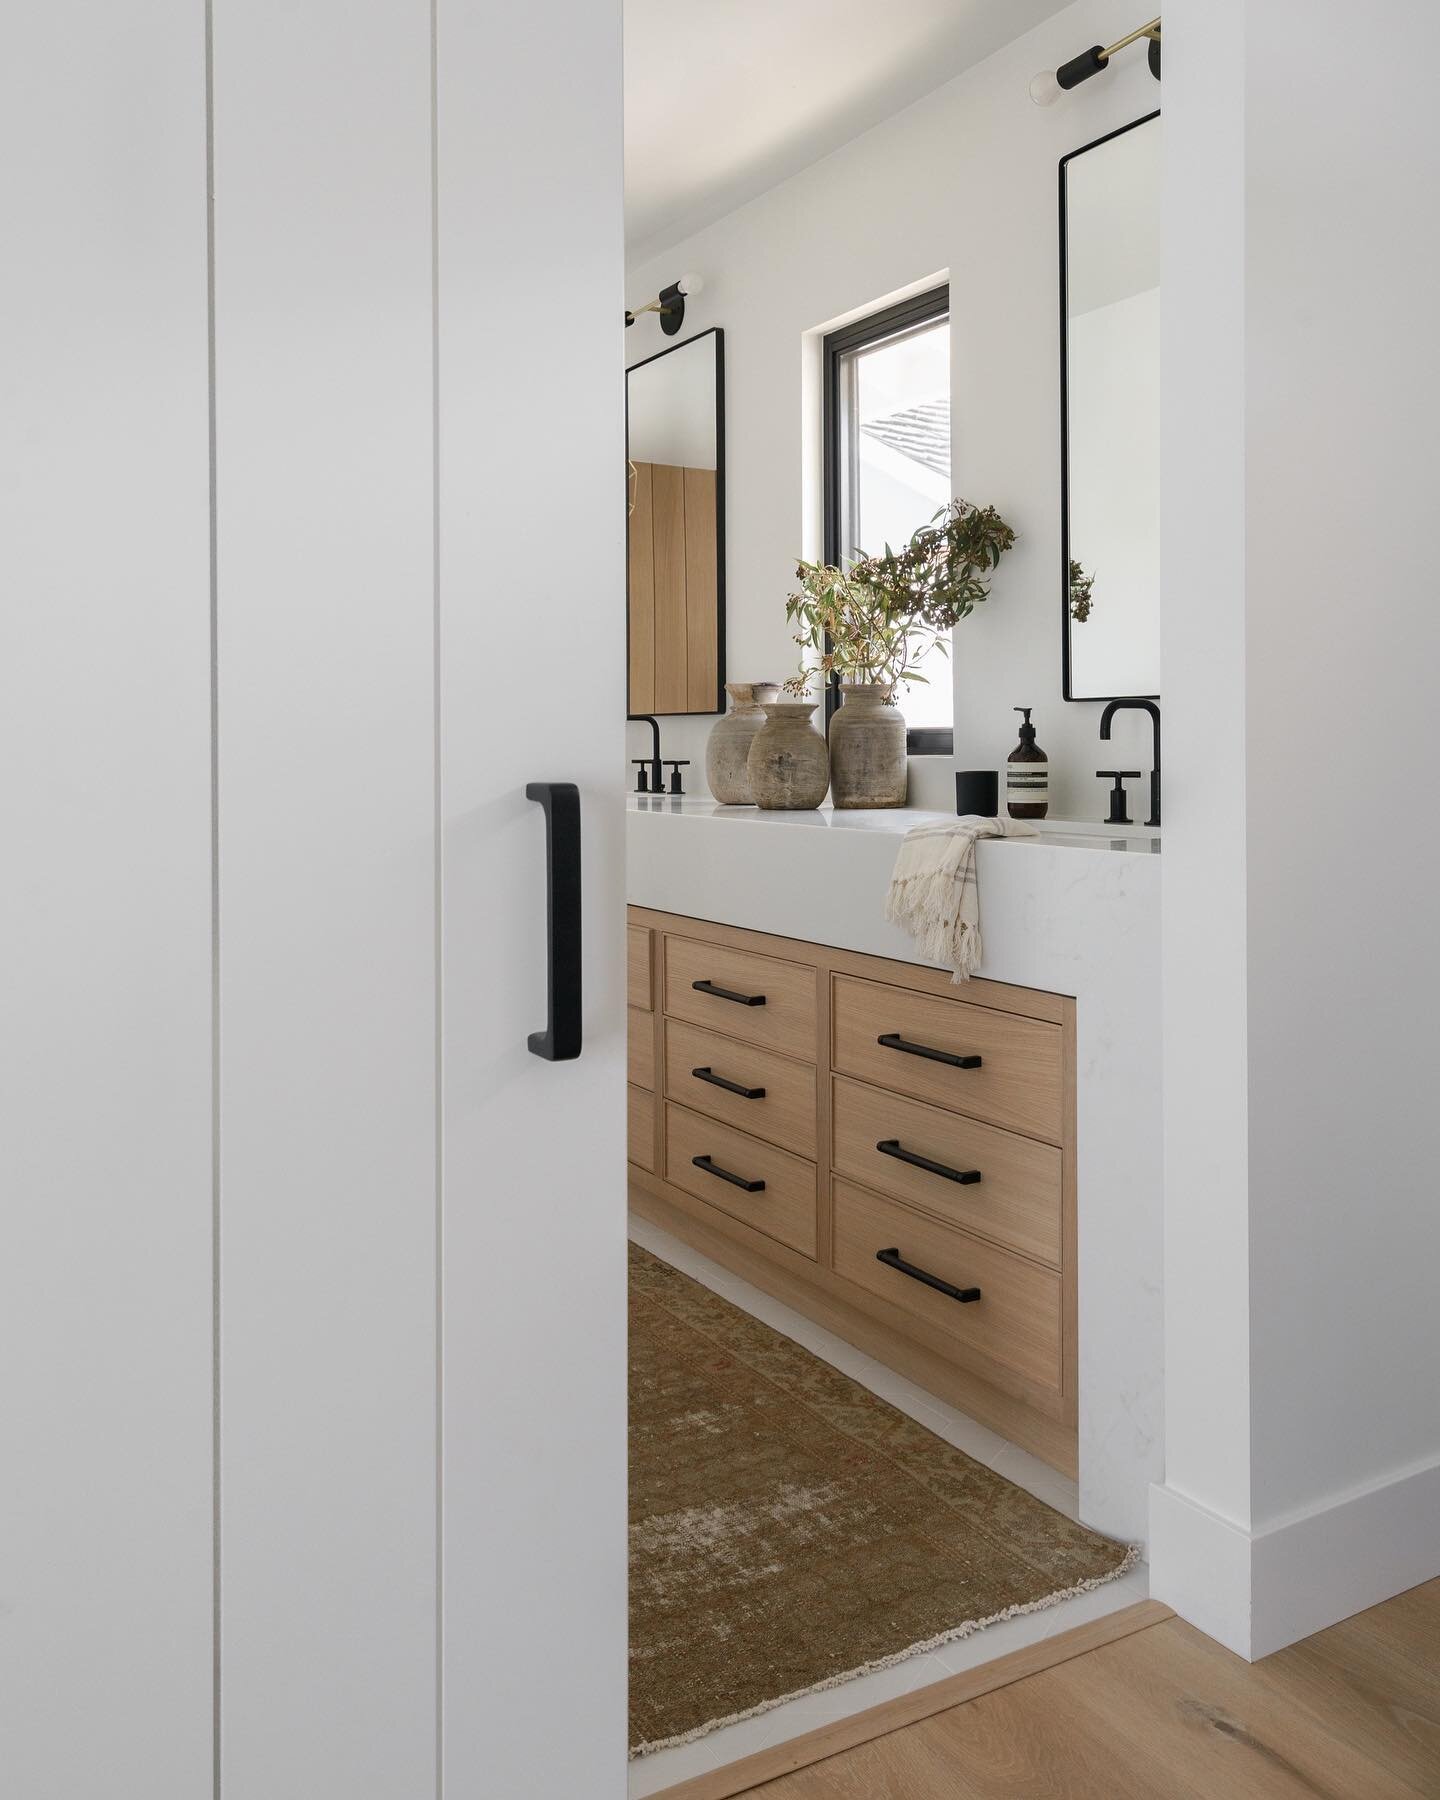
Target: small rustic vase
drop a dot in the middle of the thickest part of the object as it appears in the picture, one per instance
(867, 748)
(728, 746)
(789, 764)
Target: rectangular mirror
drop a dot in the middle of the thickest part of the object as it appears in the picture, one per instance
(675, 489)
(1110, 415)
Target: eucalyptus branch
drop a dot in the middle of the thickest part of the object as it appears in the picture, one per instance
(876, 621)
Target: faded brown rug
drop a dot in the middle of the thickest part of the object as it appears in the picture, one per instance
(790, 1530)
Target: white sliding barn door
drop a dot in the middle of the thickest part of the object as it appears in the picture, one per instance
(105, 925)
(313, 1427)
(532, 537)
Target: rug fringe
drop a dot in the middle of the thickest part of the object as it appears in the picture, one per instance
(967, 1629)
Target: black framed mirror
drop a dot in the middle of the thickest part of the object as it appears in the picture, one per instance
(675, 526)
(1110, 415)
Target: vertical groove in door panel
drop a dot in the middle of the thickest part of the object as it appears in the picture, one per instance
(105, 905)
(217, 1491)
(531, 291)
(437, 816)
(324, 348)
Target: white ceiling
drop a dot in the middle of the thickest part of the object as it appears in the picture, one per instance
(724, 98)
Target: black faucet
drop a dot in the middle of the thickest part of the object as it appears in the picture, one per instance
(1150, 707)
(657, 774)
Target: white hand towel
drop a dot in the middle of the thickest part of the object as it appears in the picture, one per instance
(934, 894)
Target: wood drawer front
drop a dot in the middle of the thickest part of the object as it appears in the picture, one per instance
(786, 1022)
(1016, 1200)
(641, 1127)
(638, 989)
(640, 1047)
(1019, 1084)
(784, 1210)
(784, 1115)
(1016, 1321)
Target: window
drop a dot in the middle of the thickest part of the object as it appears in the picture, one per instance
(887, 460)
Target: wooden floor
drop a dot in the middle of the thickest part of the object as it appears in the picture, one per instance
(1166, 1714)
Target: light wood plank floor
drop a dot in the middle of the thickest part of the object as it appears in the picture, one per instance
(1166, 1714)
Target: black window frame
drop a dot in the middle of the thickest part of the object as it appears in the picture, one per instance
(863, 334)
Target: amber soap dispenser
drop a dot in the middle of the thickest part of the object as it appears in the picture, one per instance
(1027, 775)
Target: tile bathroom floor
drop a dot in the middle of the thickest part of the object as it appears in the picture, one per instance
(652, 1774)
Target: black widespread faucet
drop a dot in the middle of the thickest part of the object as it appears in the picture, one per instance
(1150, 707)
(657, 774)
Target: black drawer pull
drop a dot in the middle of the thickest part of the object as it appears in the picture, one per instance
(713, 1168)
(709, 987)
(730, 1087)
(893, 1260)
(893, 1147)
(892, 1040)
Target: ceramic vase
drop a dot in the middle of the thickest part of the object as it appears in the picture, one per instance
(727, 749)
(788, 764)
(867, 749)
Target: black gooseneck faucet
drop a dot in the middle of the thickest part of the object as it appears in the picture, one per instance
(657, 774)
(1150, 707)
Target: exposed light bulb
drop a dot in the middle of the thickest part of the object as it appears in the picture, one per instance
(690, 285)
(1045, 90)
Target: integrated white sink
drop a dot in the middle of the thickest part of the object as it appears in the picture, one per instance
(1132, 837)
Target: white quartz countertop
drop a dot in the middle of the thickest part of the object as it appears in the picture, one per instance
(1048, 904)
(1070, 834)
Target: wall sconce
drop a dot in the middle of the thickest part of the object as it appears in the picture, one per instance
(1048, 86)
(670, 304)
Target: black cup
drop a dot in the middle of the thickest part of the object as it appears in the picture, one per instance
(977, 791)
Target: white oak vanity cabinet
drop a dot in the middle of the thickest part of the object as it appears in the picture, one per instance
(893, 1157)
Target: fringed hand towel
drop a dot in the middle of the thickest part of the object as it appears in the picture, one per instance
(933, 891)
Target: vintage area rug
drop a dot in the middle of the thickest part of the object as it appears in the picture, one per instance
(790, 1530)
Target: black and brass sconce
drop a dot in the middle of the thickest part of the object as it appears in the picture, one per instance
(1048, 86)
(670, 304)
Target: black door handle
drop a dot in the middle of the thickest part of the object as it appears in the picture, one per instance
(892, 1040)
(711, 1167)
(893, 1147)
(893, 1260)
(730, 1087)
(709, 987)
(560, 1040)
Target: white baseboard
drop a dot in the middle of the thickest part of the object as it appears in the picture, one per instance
(1201, 1565)
(1257, 1591)
(1348, 1553)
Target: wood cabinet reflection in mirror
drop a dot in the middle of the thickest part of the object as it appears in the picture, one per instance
(675, 522)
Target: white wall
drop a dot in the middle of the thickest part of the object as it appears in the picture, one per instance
(963, 182)
(1302, 386)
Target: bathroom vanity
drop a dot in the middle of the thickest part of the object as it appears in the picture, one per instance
(962, 1181)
